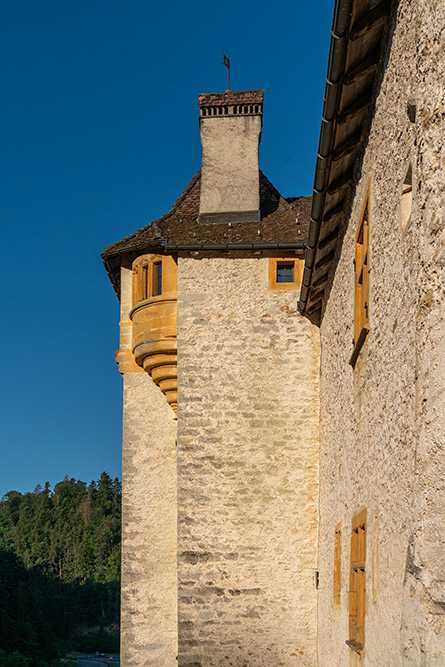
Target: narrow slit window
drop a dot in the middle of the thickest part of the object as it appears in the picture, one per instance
(407, 197)
(362, 275)
(337, 565)
(357, 584)
(157, 279)
(285, 272)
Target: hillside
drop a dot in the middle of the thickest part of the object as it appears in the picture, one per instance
(60, 569)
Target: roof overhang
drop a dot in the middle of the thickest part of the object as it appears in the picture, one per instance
(112, 260)
(283, 227)
(357, 50)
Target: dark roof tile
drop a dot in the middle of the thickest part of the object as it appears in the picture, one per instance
(282, 220)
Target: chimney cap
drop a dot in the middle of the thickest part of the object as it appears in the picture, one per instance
(231, 97)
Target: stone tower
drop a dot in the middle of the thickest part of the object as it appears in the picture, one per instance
(220, 437)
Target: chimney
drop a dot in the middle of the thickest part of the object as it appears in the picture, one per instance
(230, 125)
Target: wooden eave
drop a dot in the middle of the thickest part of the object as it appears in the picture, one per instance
(358, 47)
(283, 227)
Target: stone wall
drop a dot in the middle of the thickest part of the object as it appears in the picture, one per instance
(423, 622)
(247, 467)
(149, 513)
(382, 423)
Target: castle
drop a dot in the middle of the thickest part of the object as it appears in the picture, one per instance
(283, 368)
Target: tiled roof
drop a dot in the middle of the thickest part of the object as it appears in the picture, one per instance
(282, 221)
(231, 97)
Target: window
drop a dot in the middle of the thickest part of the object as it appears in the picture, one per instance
(147, 278)
(285, 273)
(157, 279)
(361, 289)
(407, 197)
(337, 565)
(145, 282)
(142, 282)
(357, 583)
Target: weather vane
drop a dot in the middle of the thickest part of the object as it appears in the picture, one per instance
(226, 62)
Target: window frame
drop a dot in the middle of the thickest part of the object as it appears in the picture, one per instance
(157, 278)
(406, 199)
(285, 266)
(361, 280)
(357, 583)
(145, 280)
(337, 565)
(297, 263)
(142, 290)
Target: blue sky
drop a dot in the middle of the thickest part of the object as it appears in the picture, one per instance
(98, 136)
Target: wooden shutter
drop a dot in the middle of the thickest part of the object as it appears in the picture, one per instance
(361, 301)
(357, 583)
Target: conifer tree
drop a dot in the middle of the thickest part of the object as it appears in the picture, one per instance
(59, 567)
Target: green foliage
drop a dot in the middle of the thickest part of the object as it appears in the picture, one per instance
(72, 533)
(14, 659)
(59, 571)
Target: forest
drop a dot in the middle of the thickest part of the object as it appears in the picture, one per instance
(59, 571)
